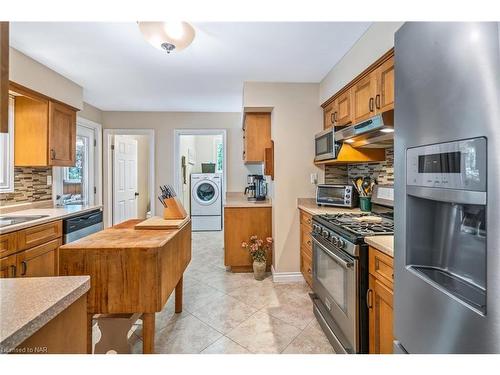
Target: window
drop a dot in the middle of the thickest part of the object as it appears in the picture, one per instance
(76, 184)
(7, 154)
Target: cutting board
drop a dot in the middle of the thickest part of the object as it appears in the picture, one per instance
(157, 222)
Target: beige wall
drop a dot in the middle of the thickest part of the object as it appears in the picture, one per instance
(164, 124)
(295, 119)
(30, 73)
(376, 41)
(91, 113)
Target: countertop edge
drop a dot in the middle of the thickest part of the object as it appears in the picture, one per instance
(377, 244)
(24, 332)
(45, 220)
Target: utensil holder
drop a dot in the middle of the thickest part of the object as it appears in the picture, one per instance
(365, 204)
(174, 209)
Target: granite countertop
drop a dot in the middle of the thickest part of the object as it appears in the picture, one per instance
(309, 205)
(240, 200)
(54, 213)
(27, 304)
(383, 243)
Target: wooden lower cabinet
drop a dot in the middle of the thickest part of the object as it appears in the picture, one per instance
(35, 253)
(380, 302)
(306, 246)
(239, 224)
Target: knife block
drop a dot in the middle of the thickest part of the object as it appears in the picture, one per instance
(174, 209)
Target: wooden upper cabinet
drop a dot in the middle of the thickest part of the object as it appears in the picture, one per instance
(44, 130)
(363, 93)
(343, 114)
(257, 137)
(328, 115)
(4, 77)
(62, 135)
(384, 99)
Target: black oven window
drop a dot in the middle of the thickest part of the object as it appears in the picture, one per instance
(324, 144)
(448, 162)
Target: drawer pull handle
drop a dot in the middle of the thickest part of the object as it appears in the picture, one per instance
(309, 243)
(309, 271)
(377, 101)
(370, 105)
(369, 296)
(24, 268)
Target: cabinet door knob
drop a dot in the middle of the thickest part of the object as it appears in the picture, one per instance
(24, 268)
(332, 117)
(52, 154)
(370, 104)
(377, 101)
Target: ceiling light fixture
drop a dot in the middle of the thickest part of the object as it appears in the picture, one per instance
(167, 36)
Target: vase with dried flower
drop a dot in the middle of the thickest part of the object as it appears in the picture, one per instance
(258, 251)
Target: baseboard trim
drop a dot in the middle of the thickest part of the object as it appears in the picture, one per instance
(287, 277)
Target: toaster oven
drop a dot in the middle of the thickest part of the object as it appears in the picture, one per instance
(337, 195)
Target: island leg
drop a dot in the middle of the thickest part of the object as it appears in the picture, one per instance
(178, 296)
(89, 333)
(148, 333)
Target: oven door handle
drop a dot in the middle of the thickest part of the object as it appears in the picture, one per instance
(337, 258)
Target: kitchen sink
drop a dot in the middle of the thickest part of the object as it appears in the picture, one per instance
(6, 220)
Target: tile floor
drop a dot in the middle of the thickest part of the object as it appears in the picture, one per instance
(227, 313)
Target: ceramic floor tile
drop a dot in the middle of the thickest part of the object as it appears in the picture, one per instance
(224, 314)
(298, 315)
(262, 333)
(198, 296)
(227, 282)
(311, 340)
(225, 345)
(188, 335)
(257, 295)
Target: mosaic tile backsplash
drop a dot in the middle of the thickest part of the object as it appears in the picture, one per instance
(30, 185)
(383, 172)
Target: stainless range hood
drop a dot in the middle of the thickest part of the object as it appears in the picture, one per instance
(376, 132)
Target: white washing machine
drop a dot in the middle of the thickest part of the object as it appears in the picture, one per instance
(206, 201)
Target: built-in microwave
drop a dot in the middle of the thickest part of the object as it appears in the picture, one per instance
(325, 146)
(336, 195)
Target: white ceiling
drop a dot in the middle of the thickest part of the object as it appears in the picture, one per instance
(119, 70)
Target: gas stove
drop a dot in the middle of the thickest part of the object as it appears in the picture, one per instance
(361, 225)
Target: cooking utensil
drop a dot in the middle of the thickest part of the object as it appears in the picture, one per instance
(366, 185)
(359, 185)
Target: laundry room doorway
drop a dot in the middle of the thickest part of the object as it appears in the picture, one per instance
(200, 161)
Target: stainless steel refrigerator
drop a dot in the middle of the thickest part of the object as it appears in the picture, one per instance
(447, 188)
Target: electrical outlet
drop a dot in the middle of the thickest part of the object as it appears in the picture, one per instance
(314, 178)
(49, 180)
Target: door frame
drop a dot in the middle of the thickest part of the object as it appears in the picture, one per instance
(176, 156)
(108, 169)
(57, 178)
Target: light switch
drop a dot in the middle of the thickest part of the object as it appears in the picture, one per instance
(314, 178)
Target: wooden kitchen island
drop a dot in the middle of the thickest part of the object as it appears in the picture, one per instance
(131, 271)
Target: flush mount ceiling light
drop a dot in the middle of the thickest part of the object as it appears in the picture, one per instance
(167, 36)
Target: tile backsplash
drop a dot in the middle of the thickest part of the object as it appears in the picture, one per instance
(30, 185)
(383, 172)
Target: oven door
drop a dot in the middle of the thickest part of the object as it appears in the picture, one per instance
(335, 276)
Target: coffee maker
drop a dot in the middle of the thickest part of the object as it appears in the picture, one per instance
(257, 187)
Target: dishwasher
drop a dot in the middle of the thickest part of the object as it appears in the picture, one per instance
(82, 225)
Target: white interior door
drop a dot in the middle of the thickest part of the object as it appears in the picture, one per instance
(124, 179)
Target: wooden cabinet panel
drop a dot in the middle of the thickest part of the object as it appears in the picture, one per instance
(384, 100)
(305, 236)
(306, 267)
(305, 218)
(328, 115)
(269, 161)
(4, 77)
(38, 235)
(39, 261)
(343, 114)
(381, 266)
(380, 301)
(239, 224)
(8, 266)
(62, 135)
(363, 94)
(7, 244)
(257, 136)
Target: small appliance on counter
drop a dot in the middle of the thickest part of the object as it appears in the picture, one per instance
(336, 195)
(257, 187)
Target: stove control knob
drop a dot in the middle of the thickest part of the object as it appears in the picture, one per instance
(341, 243)
(325, 234)
(335, 240)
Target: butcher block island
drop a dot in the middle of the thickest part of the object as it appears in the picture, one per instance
(132, 271)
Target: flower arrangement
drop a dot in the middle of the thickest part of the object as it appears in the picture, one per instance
(257, 248)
